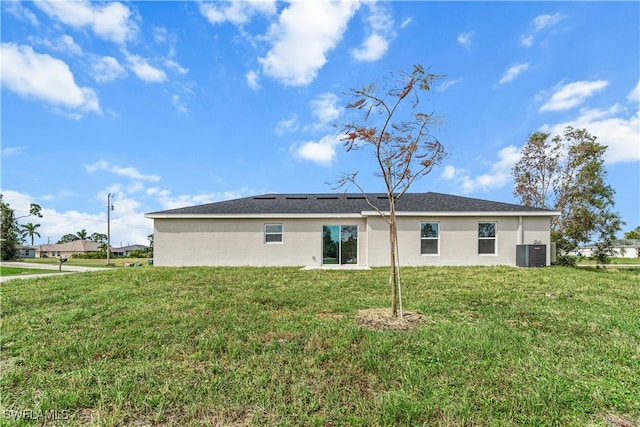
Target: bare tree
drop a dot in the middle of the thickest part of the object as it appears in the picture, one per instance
(403, 146)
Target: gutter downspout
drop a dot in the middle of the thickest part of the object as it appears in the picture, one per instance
(520, 231)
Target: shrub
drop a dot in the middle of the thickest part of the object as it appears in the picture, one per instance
(90, 255)
(137, 253)
(566, 260)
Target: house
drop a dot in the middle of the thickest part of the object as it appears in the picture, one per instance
(627, 248)
(65, 250)
(316, 230)
(26, 252)
(126, 250)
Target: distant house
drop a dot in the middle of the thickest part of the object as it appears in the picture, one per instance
(65, 250)
(126, 250)
(26, 252)
(625, 248)
(344, 230)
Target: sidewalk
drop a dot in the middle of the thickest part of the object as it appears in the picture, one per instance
(66, 269)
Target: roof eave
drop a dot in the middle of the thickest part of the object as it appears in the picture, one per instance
(354, 215)
(252, 216)
(466, 214)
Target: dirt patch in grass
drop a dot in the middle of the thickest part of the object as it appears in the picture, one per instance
(380, 319)
(328, 315)
(617, 421)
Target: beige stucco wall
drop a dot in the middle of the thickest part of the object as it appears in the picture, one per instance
(239, 242)
(458, 243)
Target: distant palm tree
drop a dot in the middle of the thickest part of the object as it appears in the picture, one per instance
(82, 234)
(29, 230)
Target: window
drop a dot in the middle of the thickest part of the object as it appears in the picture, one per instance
(429, 236)
(273, 233)
(487, 238)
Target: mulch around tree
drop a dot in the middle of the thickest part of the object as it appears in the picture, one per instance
(380, 319)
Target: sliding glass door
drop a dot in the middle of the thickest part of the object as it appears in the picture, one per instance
(339, 244)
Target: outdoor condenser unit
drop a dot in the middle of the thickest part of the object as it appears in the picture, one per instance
(531, 255)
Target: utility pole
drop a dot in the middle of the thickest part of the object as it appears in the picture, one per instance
(109, 209)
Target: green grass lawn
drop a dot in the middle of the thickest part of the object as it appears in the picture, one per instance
(17, 271)
(279, 346)
(82, 262)
(614, 261)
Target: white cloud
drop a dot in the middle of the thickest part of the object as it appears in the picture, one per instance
(128, 224)
(322, 152)
(173, 65)
(236, 12)
(325, 109)
(127, 172)
(302, 37)
(634, 95)
(572, 94)
(16, 9)
(526, 40)
(43, 77)
(539, 23)
(11, 151)
(179, 104)
(406, 22)
(372, 49)
(145, 71)
(380, 29)
(63, 43)
(465, 39)
(106, 69)
(619, 132)
(447, 84)
(543, 21)
(110, 21)
(253, 80)
(287, 125)
(69, 45)
(513, 72)
(168, 201)
(498, 176)
(450, 172)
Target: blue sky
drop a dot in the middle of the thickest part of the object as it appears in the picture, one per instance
(169, 104)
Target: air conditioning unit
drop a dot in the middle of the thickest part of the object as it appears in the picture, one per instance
(531, 255)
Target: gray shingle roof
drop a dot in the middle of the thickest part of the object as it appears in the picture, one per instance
(346, 203)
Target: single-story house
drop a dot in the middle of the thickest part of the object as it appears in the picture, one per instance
(126, 250)
(65, 250)
(315, 230)
(626, 248)
(26, 252)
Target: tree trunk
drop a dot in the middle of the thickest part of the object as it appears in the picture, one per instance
(392, 260)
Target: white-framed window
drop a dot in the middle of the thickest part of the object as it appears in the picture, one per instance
(429, 238)
(487, 236)
(273, 233)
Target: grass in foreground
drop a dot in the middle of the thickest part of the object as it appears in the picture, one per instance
(83, 262)
(17, 271)
(279, 346)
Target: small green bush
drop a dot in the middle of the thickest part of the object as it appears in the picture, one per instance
(90, 255)
(566, 260)
(137, 253)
